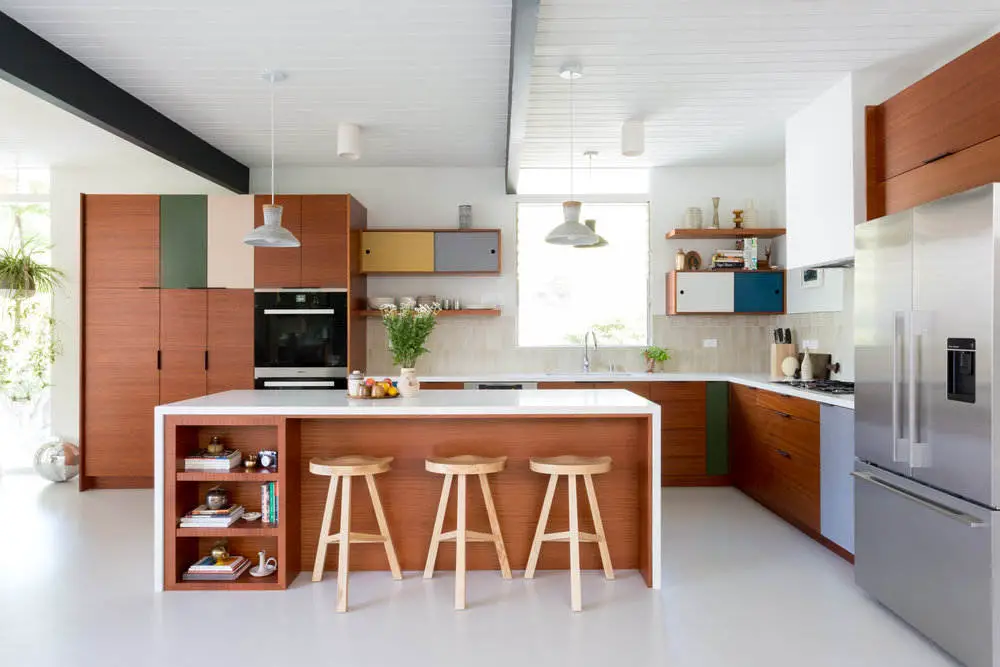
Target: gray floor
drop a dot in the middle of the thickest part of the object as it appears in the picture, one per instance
(741, 588)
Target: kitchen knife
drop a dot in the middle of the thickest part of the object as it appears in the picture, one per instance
(777, 335)
(788, 336)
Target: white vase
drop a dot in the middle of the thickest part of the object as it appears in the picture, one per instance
(408, 384)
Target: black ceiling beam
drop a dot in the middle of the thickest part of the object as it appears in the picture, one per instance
(37, 66)
(523, 26)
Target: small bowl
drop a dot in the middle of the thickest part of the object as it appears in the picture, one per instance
(407, 302)
(251, 516)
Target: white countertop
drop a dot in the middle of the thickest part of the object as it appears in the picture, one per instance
(758, 380)
(444, 402)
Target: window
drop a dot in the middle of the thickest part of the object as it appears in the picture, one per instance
(563, 292)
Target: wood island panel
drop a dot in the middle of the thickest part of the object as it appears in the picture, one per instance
(410, 494)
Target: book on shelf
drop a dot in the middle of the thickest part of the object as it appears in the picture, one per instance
(194, 521)
(206, 570)
(203, 510)
(269, 502)
(205, 462)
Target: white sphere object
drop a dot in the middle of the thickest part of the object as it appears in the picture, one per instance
(789, 366)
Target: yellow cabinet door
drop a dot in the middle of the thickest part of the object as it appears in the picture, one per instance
(397, 252)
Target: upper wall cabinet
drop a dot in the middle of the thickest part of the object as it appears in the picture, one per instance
(431, 251)
(955, 107)
(183, 241)
(725, 292)
(467, 252)
(230, 261)
(121, 241)
(279, 267)
(324, 240)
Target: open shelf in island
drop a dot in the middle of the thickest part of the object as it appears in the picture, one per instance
(185, 490)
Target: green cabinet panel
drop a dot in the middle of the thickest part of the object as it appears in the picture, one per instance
(716, 428)
(183, 241)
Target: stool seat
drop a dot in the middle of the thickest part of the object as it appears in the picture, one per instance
(466, 464)
(350, 466)
(571, 465)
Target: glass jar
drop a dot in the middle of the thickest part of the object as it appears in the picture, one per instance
(354, 383)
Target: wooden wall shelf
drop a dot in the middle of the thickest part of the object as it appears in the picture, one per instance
(235, 476)
(489, 312)
(236, 530)
(709, 234)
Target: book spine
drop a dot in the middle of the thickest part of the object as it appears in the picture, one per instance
(266, 518)
(276, 503)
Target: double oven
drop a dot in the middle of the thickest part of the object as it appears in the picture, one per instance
(300, 339)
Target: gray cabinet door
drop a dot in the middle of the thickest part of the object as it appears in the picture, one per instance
(836, 451)
(467, 252)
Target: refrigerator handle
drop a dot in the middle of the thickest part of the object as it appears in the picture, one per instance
(961, 517)
(919, 451)
(900, 447)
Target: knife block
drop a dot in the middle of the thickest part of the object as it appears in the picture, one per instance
(779, 351)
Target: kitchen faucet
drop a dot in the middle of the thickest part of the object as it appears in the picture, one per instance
(586, 350)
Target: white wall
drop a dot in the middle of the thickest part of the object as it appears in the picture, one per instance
(146, 174)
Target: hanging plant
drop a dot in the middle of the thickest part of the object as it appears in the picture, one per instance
(21, 275)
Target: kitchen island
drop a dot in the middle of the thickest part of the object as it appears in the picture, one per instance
(301, 425)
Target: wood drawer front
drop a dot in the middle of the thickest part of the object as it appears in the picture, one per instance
(683, 466)
(789, 405)
(563, 385)
(796, 493)
(683, 442)
(442, 385)
(682, 404)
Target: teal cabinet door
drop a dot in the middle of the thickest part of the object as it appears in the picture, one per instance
(183, 241)
(760, 292)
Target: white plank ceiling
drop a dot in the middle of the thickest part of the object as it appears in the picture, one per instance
(426, 80)
(714, 79)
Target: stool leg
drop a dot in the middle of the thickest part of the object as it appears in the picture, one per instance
(344, 549)
(602, 540)
(432, 551)
(543, 520)
(491, 511)
(383, 528)
(574, 546)
(324, 531)
(460, 547)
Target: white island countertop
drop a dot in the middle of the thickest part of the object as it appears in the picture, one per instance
(426, 403)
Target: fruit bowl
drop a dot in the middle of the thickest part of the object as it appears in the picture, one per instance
(376, 390)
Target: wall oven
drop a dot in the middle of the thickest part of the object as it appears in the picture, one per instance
(300, 339)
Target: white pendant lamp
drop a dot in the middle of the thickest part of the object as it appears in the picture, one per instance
(571, 232)
(271, 234)
(601, 241)
(348, 141)
(633, 138)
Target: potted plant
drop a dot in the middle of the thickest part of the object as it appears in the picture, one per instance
(407, 329)
(21, 274)
(654, 356)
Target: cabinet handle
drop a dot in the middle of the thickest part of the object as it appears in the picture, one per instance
(368, 251)
(783, 453)
(206, 360)
(682, 291)
(784, 415)
(493, 251)
(939, 157)
(159, 356)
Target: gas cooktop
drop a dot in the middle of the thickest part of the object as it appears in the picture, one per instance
(826, 386)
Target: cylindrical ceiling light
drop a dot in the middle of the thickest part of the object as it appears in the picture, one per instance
(348, 141)
(633, 138)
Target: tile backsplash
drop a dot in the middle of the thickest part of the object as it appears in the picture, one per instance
(488, 345)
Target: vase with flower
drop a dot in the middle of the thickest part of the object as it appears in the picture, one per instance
(407, 330)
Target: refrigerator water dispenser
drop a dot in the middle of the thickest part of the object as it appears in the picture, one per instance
(962, 370)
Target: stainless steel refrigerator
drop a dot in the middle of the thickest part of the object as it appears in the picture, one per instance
(927, 474)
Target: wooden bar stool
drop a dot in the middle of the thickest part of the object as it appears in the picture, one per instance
(463, 466)
(347, 467)
(571, 466)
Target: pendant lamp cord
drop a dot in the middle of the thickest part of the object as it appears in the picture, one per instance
(272, 139)
(572, 121)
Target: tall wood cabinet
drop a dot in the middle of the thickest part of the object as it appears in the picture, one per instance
(168, 307)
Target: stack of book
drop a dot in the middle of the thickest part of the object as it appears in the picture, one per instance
(269, 502)
(205, 462)
(202, 517)
(208, 569)
(727, 259)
